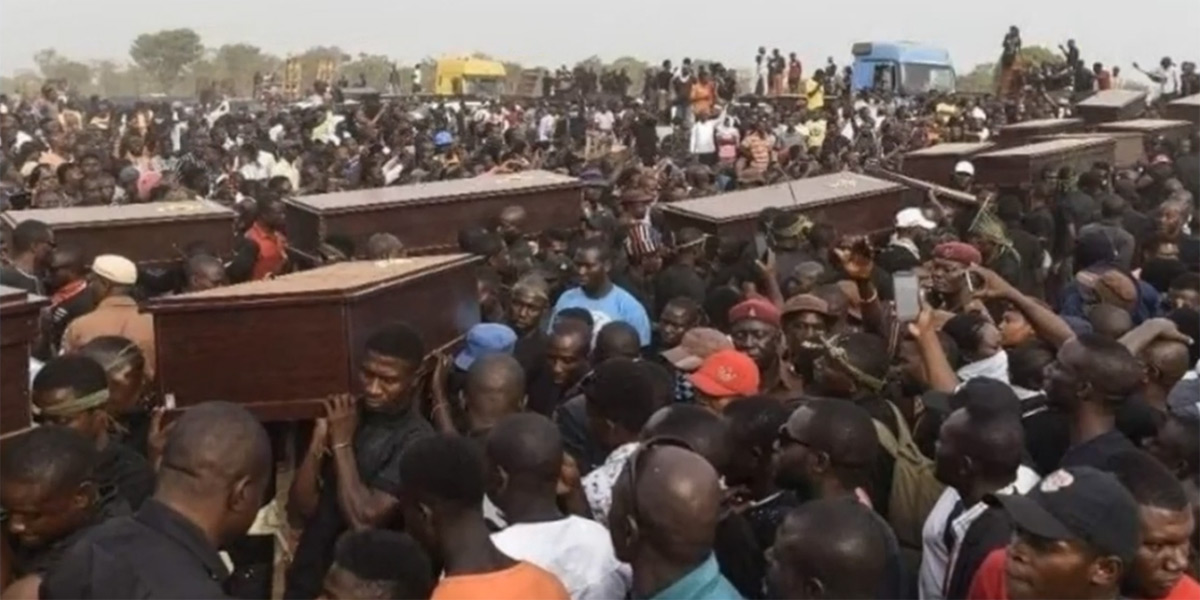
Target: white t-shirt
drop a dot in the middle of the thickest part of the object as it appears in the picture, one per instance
(1170, 83)
(704, 138)
(604, 120)
(578, 551)
(545, 129)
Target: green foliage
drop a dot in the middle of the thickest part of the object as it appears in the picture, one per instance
(375, 67)
(167, 54)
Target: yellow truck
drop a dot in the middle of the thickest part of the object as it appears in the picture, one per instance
(469, 76)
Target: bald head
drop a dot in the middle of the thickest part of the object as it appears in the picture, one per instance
(212, 446)
(678, 502)
(495, 387)
(528, 448)
(830, 548)
(1168, 359)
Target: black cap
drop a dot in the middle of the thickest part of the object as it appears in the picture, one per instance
(1079, 503)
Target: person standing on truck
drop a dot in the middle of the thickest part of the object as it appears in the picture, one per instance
(795, 74)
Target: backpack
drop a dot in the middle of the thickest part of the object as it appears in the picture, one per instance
(914, 488)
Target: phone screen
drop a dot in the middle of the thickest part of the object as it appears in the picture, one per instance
(907, 292)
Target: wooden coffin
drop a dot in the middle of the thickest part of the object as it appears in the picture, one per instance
(1185, 109)
(1112, 105)
(1173, 131)
(1021, 166)
(428, 216)
(19, 317)
(1020, 133)
(153, 233)
(855, 204)
(935, 164)
(1128, 151)
(281, 346)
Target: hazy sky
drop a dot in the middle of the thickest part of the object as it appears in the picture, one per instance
(550, 32)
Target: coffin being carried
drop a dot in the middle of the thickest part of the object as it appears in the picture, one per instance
(1112, 105)
(281, 346)
(856, 204)
(428, 216)
(19, 312)
(147, 234)
(1021, 166)
(935, 164)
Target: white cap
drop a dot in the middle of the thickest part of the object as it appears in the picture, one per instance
(913, 217)
(117, 269)
(965, 167)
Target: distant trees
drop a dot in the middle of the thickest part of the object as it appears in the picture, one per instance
(167, 54)
(983, 77)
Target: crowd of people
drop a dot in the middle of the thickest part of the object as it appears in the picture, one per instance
(1000, 402)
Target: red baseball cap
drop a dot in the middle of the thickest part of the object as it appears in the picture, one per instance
(725, 374)
(759, 309)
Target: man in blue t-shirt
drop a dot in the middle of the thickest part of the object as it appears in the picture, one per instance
(597, 293)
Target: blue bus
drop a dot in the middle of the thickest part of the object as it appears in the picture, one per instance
(901, 67)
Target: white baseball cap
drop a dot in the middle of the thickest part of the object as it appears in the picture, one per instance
(913, 217)
(117, 269)
(965, 167)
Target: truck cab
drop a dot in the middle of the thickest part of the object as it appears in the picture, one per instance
(903, 68)
(469, 76)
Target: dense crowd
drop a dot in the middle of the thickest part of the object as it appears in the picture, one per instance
(999, 402)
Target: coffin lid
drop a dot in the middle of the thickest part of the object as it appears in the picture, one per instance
(435, 192)
(13, 300)
(337, 282)
(952, 149)
(1144, 125)
(126, 214)
(808, 193)
(1193, 100)
(1055, 146)
(1111, 99)
(1041, 124)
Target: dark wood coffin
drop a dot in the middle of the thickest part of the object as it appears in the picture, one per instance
(1021, 166)
(1112, 105)
(855, 204)
(1185, 109)
(428, 216)
(1128, 151)
(153, 233)
(19, 317)
(935, 164)
(1020, 133)
(281, 346)
(1172, 130)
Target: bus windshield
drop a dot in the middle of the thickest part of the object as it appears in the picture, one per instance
(920, 78)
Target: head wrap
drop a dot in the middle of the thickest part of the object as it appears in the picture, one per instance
(73, 407)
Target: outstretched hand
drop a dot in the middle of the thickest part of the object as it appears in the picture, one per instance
(855, 256)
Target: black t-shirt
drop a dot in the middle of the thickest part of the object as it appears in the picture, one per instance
(1040, 222)
(739, 555)
(1029, 250)
(1047, 434)
(766, 515)
(15, 278)
(70, 309)
(530, 351)
(1098, 451)
(126, 472)
(378, 444)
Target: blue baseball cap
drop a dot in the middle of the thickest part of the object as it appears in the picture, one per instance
(442, 138)
(484, 339)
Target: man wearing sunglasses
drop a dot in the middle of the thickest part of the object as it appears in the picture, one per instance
(827, 449)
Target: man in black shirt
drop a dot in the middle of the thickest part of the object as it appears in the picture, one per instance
(363, 440)
(32, 246)
(73, 391)
(826, 450)
(527, 304)
(50, 500)
(828, 548)
(1089, 380)
(214, 471)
